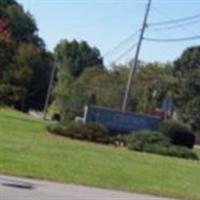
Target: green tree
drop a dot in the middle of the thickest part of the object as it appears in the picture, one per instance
(150, 85)
(187, 71)
(24, 65)
(72, 58)
(23, 26)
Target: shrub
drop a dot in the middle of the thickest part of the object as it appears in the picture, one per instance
(76, 130)
(97, 133)
(56, 128)
(139, 140)
(171, 150)
(178, 133)
(155, 142)
(92, 131)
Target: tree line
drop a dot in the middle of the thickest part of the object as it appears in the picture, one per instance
(25, 64)
(81, 76)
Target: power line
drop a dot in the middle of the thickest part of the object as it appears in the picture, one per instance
(174, 26)
(182, 25)
(175, 21)
(171, 19)
(127, 51)
(172, 39)
(121, 44)
(163, 34)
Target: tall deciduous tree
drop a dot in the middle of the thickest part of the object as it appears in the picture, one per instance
(72, 58)
(187, 70)
(24, 65)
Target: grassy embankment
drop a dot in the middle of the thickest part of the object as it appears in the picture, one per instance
(26, 149)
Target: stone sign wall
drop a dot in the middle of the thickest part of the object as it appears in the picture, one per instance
(120, 122)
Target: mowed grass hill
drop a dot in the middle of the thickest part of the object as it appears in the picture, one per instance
(27, 149)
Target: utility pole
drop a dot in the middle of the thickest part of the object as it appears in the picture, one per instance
(134, 67)
(49, 92)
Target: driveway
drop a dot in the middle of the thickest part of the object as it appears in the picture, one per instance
(12, 188)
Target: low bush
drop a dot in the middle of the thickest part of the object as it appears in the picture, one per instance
(139, 140)
(155, 142)
(97, 133)
(92, 131)
(56, 128)
(171, 150)
(178, 133)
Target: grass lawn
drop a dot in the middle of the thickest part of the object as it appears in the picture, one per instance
(26, 149)
(197, 150)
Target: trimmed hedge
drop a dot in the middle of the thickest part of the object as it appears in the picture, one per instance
(138, 140)
(171, 150)
(143, 141)
(178, 133)
(155, 142)
(91, 132)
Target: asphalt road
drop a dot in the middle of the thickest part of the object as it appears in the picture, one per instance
(12, 188)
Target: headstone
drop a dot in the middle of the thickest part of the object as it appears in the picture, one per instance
(167, 107)
(167, 104)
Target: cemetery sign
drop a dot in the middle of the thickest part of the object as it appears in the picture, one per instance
(120, 122)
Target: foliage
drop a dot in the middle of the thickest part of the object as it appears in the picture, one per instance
(41, 67)
(153, 142)
(97, 133)
(91, 131)
(107, 89)
(72, 58)
(139, 140)
(25, 65)
(178, 133)
(96, 86)
(171, 150)
(187, 71)
(153, 81)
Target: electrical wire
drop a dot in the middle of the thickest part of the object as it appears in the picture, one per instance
(178, 24)
(175, 21)
(174, 26)
(121, 44)
(172, 39)
(167, 48)
(127, 51)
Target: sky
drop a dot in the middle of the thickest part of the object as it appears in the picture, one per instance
(106, 23)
